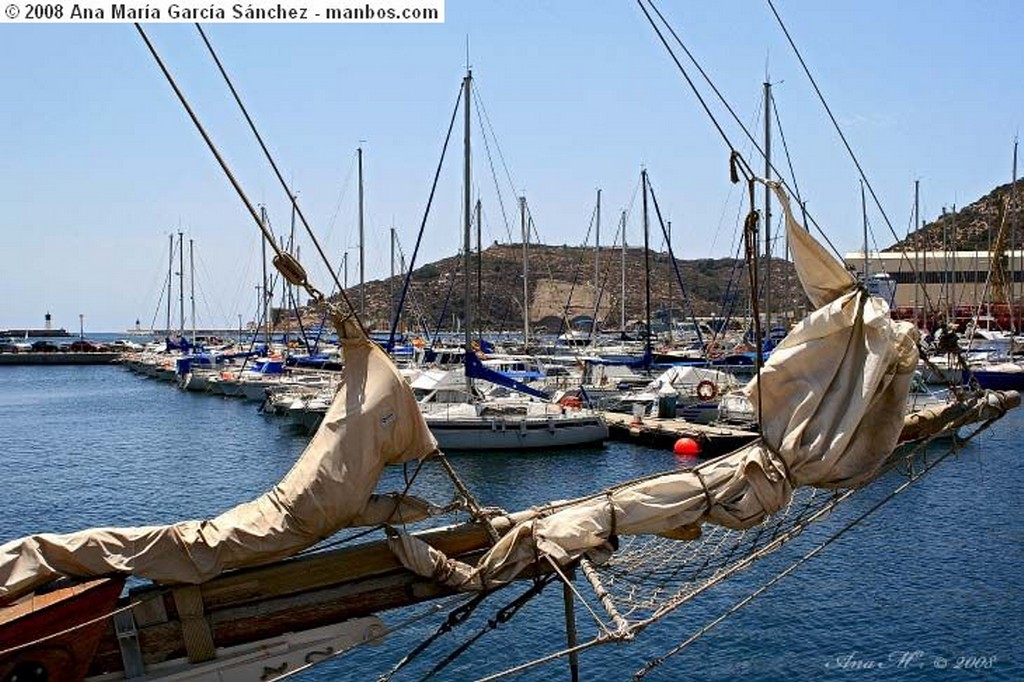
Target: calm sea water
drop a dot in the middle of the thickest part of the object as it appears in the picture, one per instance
(939, 570)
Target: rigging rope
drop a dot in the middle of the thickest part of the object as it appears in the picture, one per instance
(282, 259)
(423, 223)
(912, 477)
(293, 197)
(720, 97)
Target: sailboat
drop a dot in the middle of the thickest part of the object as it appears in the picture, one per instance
(462, 416)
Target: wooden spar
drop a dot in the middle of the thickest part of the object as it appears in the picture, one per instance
(288, 596)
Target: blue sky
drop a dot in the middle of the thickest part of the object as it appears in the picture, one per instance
(101, 163)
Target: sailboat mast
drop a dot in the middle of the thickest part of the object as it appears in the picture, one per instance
(466, 220)
(647, 272)
(181, 285)
(597, 254)
(170, 281)
(1014, 246)
(526, 271)
(289, 298)
(362, 252)
(192, 286)
(864, 220)
(917, 251)
(391, 279)
(768, 207)
(479, 259)
(622, 296)
(263, 289)
(671, 320)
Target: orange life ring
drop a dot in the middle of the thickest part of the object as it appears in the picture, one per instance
(706, 390)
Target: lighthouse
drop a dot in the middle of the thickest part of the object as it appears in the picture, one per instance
(48, 321)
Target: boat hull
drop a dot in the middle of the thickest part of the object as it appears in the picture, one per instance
(27, 630)
(503, 434)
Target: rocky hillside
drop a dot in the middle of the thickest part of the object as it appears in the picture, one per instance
(562, 278)
(973, 227)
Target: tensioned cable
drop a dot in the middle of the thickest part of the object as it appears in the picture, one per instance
(423, 223)
(267, 234)
(913, 477)
(501, 156)
(785, 149)
(842, 136)
(284, 184)
(721, 98)
(490, 161)
(675, 265)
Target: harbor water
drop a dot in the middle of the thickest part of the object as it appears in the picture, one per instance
(930, 587)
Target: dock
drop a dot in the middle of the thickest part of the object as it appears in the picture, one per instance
(60, 358)
(662, 433)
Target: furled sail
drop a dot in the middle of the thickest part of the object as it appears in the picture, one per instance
(833, 396)
(374, 421)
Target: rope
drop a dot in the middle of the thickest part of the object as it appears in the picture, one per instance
(675, 265)
(66, 631)
(280, 256)
(846, 143)
(412, 620)
(423, 223)
(455, 618)
(503, 616)
(293, 197)
(913, 478)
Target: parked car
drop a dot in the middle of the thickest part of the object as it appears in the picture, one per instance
(8, 346)
(85, 346)
(44, 347)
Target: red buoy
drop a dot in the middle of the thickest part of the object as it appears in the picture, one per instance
(686, 446)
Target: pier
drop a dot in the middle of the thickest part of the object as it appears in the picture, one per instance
(60, 358)
(662, 433)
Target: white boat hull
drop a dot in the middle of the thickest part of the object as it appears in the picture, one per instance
(496, 433)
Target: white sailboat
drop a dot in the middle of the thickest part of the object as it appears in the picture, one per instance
(463, 415)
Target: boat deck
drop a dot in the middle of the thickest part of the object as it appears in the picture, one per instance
(662, 432)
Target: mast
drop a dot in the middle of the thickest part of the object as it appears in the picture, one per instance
(951, 263)
(391, 279)
(647, 274)
(362, 253)
(917, 251)
(479, 262)
(864, 217)
(466, 221)
(668, 228)
(597, 268)
(1014, 246)
(263, 290)
(170, 281)
(768, 209)
(526, 272)
(290, 301)
(622, 297)
(192, 286)
(181, 285)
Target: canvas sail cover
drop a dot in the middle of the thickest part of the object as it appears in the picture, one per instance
(833, 396)
(374, 421)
